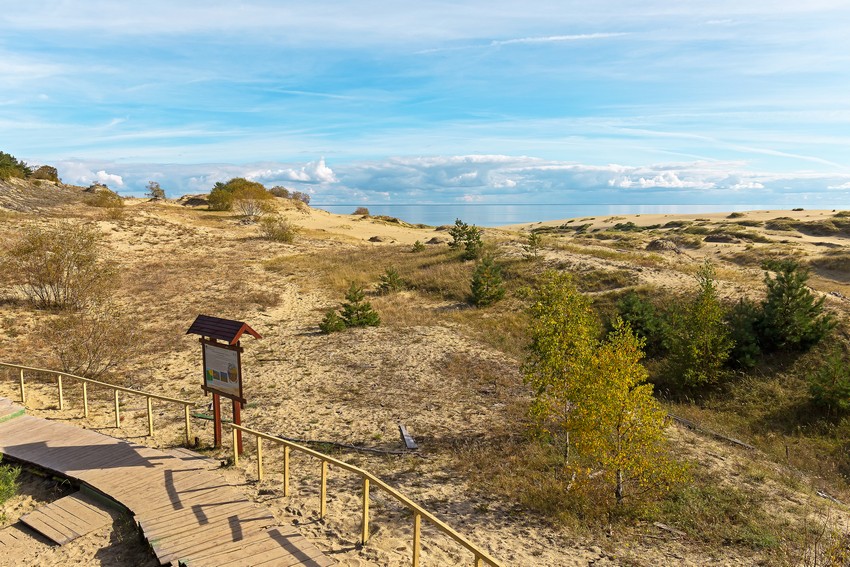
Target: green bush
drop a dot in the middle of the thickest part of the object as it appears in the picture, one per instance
(48, 173)
(792, 319)
(61, 266)
(487, 284)
(829, 384)
(105, 199)
(8, 481)
(224, 195)
(646, 322)
(278, 229)
(390, 282)
(418, 247)
(742, 321)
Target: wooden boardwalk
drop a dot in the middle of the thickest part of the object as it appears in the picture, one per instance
(186, 510)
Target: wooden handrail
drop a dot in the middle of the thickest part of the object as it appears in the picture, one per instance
(368, 478)
(85, 381)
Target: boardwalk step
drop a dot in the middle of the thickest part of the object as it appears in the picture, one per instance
(8, 410)
(68, 518)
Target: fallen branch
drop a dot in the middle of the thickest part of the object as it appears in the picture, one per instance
(691, 425)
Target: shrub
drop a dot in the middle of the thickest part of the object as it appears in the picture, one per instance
(418, 247)
(829, 384)
(61, 266)
(361, 211)
(280, 191)
(791, 316)
(253, 201)
(299, 196)
(645, 321)
(223, 195)
(104, 198)
(155, 191)
(390, 282)
(742, 321)
(487, 284)
(46, 172)
(279, 229)
(8, 482)
(92, 342)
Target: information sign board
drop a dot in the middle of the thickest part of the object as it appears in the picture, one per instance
(223, 370)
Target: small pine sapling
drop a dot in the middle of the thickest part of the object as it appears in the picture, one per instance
(356, 311)
(487, 284)
(390, 282)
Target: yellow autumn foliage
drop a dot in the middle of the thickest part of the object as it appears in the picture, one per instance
(592, 398)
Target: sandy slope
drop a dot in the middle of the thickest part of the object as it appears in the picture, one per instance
(356, 387)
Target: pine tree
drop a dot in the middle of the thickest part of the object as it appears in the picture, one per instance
(487, 284)
(356, 312)
(699, 341)
(791, 316)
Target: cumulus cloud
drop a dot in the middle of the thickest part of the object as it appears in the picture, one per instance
(313, 172)
(79, 173)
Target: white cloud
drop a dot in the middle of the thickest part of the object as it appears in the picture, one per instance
(313, 172)
(107, 178)
(558, 38)
(478, 178)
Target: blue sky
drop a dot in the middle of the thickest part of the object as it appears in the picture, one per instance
(405, 102)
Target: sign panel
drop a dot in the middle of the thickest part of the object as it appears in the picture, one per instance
(223, 370)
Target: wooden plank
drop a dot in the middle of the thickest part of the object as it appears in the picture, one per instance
(67, 519)
(407, 438)
(183, 506)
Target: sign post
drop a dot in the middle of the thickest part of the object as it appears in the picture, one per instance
(222, 365)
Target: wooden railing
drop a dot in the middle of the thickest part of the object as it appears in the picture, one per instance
(369, 480)
(86, 381)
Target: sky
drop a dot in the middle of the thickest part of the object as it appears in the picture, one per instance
(391, 102)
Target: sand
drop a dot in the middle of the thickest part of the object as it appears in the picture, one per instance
(356, 387)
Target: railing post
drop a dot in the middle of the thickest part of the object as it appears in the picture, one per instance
(364, 536)
(324, 490)
(117, 411)
(417, 524)
(259, 458)
(85, 400)
(235, 446)
(286, 470)
(150, 418)
(61, 398)
(188, 426)
(23, 392)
